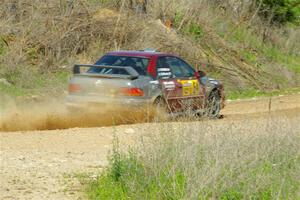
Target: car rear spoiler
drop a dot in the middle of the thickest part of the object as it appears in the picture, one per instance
(132, 73)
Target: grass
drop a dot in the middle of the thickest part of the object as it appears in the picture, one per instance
(127, 168)
(12, 90)
(249, 56)
(2, 46)
(189, 161)
(246, 40)
(38, 84)
(292, 62)
(193, 30)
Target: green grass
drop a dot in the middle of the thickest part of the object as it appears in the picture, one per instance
(290, 61)
(192, 28)
(12, 90)
(249, 56)
(164, 186)
(133, 181)
(38, 84)
(242, 37)
(128, 178)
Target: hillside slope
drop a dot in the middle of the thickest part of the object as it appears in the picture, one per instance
(39, 42)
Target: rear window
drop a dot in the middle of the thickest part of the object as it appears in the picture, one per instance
(137, 63)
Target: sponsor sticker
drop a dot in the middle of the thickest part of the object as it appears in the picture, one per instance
(190, 87)
(163, 70)
(169, 85)
(164, 73)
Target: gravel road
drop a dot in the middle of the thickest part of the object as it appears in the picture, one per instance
(46, 164)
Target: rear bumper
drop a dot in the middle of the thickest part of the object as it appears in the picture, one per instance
(85, 102)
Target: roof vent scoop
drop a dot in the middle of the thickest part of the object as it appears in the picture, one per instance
(149, 50)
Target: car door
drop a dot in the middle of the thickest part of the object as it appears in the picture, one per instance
(192, 93)
(167, 79)
(170, 87)
(181, 88)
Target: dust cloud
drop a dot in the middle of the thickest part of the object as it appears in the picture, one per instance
(53, 115)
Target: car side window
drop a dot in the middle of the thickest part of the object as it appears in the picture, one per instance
(161, 63)
(174, 66)
(187, 70)
(180, 68)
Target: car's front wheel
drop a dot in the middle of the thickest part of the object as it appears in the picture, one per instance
(161, 108)
(213, 105)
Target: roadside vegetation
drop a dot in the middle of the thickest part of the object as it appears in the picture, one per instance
(205, 162)
(252, 93)
(248, 44)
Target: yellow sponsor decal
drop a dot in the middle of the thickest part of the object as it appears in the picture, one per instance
(190, 87)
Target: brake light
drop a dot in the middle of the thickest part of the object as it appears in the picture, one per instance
(136, 92)
(74, 88)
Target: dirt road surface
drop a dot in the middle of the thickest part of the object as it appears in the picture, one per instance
(46, 164)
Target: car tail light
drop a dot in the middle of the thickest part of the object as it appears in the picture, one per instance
(136, 92)
(73, 88)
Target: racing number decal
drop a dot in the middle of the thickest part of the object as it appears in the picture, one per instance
(196, 87)
(190, 87)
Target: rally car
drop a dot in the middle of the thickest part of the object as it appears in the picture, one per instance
(139, 78)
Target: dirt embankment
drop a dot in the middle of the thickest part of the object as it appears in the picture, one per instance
(44, 164)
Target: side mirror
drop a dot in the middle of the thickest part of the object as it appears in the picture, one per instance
(202, 77)
(201, 74)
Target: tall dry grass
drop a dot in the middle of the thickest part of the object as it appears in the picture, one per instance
(242, 159)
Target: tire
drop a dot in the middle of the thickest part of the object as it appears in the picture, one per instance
(213, 106)
(161, 109)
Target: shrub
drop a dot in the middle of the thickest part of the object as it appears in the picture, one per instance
(281, 11)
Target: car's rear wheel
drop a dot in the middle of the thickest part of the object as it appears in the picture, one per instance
(213, 106)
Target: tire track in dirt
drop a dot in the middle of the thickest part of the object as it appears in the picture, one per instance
(44, 164)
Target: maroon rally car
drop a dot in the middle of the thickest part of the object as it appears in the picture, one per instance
(137, 78)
